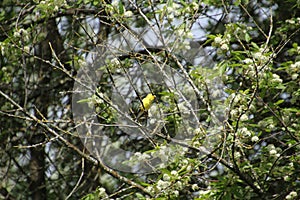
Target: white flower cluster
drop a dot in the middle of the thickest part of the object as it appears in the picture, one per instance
(244, 117)
(169, 184)
(184, 35)
(54, 5)
(237, 154)
(255, 139)
(286, 178)
(245, 132)
(207, 193)
(114, 6)
(138, 158)
(142, 157)
(115, 61)
(239, 106)
(293, 21)
(257, 64)
(273, 151)
(295, 69)
(276, 79)
(260, 56)
(2, 48)
(222, 43)
(291, 195)
(101, 192)
(128, 13)
(295, 76)
(162, 185)
(22, 33)
(238, 30)
(195, 6)
(172, 11)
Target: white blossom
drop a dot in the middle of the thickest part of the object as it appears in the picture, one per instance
(254, 139)
(286, 178)
(186, 45)
(290, 21)
(291, 195)
(115, 61)
(55, 8)
(166, 177)
(180, 31)
(218, 40)
(224, 47)
(204, 192)
(273, 152)
(189, 168)
(27, 49)
(189, 35)
(295, 65)
(176, 193)
(245, 132)
(237, 154)
(295, 76)
(17, 34)
(102, 192)
(195, 187)
(276, 78)
(195, 6)
(174, 173)
(137, 154)
(162, 184)
(170, 16)
(115, 3)
(128, 14)
(244, 117)
(185, 162)
(234, 113)
(294, 194)
(179, 184)
(248, 61)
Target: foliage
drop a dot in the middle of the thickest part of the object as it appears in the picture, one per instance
(224, 124)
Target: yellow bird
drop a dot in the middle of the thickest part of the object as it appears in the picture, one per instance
(147, 103)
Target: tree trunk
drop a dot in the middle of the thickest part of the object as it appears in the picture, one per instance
(42, 102)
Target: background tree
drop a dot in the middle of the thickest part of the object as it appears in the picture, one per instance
(224, 125)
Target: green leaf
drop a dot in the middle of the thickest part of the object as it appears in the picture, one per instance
(121, 8)
(255, 45)
(292, 110)
(279, 102)
(247, 37)
(140, 196)
(84, 100)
